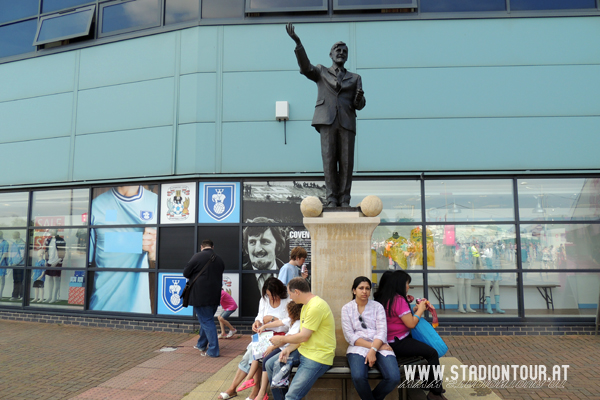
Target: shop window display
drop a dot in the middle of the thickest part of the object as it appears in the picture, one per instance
(60, 207)
(561, 294)
(399, 247)
(13, 212)
(401, 199)
(11, 286)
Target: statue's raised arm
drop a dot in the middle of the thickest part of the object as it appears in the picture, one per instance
(290, 30)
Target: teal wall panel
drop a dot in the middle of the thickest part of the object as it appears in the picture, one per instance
(131, 106)
(36, 118)
(199, 49)
(481, 92)
(477, 42)
(196, 149)
(140, 152)
(251, 96)
(133, 60)
(35, 161)
(37, 76)
(259, 147)
(477, 144)
(269, 48)
(197, 97)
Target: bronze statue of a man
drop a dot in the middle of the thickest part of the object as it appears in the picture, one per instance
(339, 95)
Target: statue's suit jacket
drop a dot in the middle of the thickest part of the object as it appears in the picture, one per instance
(333, 100)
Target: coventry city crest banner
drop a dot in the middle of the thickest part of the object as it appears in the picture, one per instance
(178, 203)
(170, 287)
(219, 202)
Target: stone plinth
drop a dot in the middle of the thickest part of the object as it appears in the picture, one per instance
(340, 251)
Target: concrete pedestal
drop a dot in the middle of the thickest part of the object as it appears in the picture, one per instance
(340, 251)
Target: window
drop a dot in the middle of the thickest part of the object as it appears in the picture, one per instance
(12, 10)
(222, 9)
(55, 208)
(376, 4)
(17, 38)
(519, 5)
(266, 6)
(117, 17)
(13, 209)
(62, 26)
(462, 5)
(401, 199)
(181, 11)
(55, 5)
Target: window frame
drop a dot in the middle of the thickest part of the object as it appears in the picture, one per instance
(91, 8)
(249, 10)
(102, 6)
(338, 7)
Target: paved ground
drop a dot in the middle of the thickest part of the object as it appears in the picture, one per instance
(49, 361)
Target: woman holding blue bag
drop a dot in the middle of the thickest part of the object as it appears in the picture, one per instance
(393, 295)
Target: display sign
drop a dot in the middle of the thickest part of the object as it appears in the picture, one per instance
(178, 203)
(219, 202)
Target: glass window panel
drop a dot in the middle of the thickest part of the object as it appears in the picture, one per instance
(469, 298)
(12, 247)
(559, 199)
(401, 199)
(222, 9)
(13, 209)
(176, 247)
(469, 200)
(123, 247)
(181, 11)
(278, 201)
(65, 291)
(130, 15)
(53, 5)
(125, 205)
(560, 246)
(398, 247)
(227, 244)
(519, 5)
(474, 247)
(462, 5)
(58, 247)
(134, 288)
(11, 286)
(564, 294)
(285, 5)
(65, 26)
(17, 38)
(357, 4)
(60, 207)
(11, 10)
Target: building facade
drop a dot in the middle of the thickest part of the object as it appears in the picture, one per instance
(133, 130)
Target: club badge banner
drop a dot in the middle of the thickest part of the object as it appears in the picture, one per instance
(219, 202)
(178, 203)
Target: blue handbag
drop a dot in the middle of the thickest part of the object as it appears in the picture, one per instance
(425, 333)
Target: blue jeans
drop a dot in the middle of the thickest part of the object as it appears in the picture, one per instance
(208, 330)
(307, 374)
(387, 365)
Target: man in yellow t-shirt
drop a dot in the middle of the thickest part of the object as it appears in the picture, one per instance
(311, 350)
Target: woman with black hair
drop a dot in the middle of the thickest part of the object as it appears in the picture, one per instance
(365, 329)
(400, 320)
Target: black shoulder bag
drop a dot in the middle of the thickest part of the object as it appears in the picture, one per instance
(185, 295)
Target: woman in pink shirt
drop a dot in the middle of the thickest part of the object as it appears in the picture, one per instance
(229, 306)
(393, 295)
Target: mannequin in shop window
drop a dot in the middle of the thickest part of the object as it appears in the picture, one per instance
(38, 276)
(464, 279)
(54, 253)
(17, 252)
(4, 247)
(492, 261)
(394, 250)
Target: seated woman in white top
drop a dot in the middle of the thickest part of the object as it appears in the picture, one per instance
(365, 329)
(272, 307)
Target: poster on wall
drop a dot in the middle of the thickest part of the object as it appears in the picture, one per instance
(178, 203)
(278, 200)
(170, 286)
(219, 202)
(265, 249)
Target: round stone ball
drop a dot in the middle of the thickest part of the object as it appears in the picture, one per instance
(371, 206)
(311, 207)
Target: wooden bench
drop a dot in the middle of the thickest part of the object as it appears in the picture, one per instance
(341, 370)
